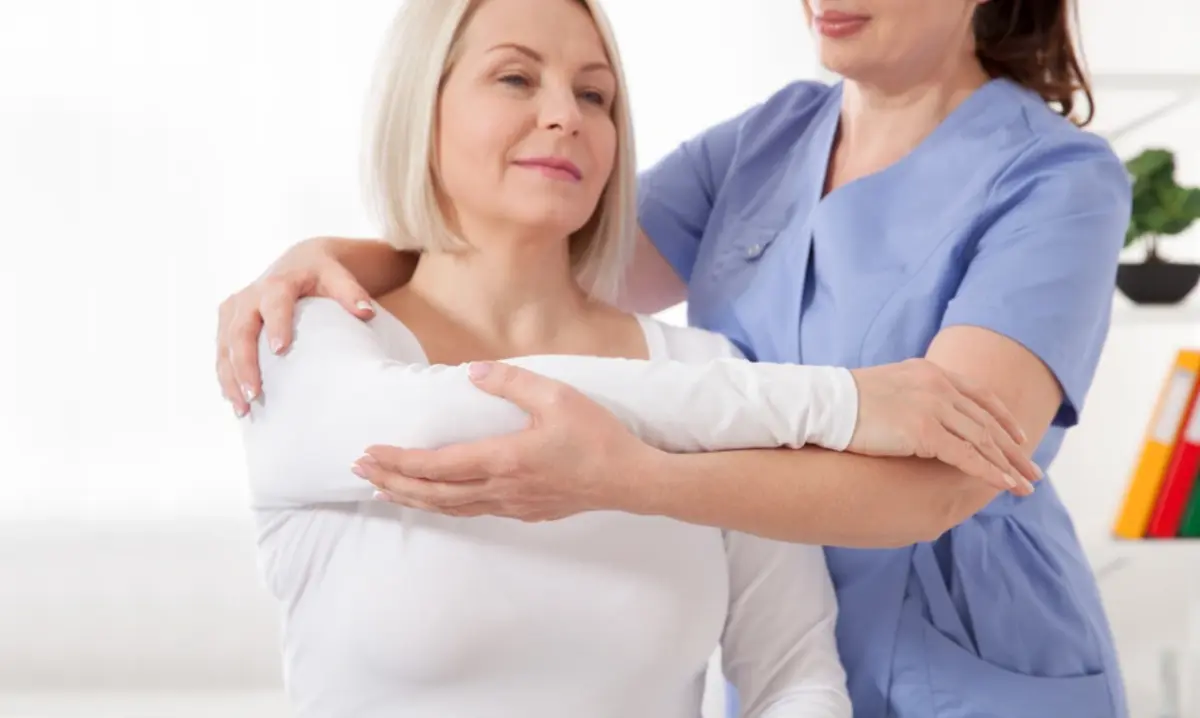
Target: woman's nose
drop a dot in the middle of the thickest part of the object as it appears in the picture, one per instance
(560, 110)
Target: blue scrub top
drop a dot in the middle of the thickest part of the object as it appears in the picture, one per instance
(1006, 217)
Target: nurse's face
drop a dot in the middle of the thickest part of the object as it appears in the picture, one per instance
(526, 139)
(891, 41)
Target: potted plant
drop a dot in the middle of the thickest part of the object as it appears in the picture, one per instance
(1161, 208)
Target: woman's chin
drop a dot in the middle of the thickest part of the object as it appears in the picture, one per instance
(551, 221)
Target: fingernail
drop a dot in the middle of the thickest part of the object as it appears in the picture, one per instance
(365, 306)
(479, 370)
(276, 345)
(248, 392)
(1028, 486)
(380, 496)
(358, 470)
(1038, 470)
(239, 412)
(1008, 479)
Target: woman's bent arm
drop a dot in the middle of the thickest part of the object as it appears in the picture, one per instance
(336, 392)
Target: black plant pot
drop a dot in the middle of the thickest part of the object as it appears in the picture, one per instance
(1155, 281)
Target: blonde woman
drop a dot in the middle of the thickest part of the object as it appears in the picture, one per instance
(501, 150)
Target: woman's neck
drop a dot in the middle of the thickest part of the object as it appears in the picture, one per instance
(508, 293)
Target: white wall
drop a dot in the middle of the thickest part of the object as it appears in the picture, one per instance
(158, 155)
(1156, 41)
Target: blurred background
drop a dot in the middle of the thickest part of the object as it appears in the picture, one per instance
(155, 155)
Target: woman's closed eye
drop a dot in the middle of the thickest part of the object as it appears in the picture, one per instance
(591, 96)
(595, 97)
(514, 80)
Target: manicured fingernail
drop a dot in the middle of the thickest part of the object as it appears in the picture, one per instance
(479, 370)
(276, 345)
(1028, 486)
(248, 392)
(358, 470)
(239, 412)
(1038, 470)
(365, 306)
(380, 496)
(1008, 479)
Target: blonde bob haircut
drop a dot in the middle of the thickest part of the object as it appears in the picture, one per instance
(402, 184)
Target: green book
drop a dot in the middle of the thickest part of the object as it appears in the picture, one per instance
(1190, 528)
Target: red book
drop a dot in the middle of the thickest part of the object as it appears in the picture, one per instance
(1179, 481)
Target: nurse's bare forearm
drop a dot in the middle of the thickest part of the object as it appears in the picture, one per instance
(375, 264)
(810, 495)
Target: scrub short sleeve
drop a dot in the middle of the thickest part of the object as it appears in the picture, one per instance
(676, 195)
(1044, 270)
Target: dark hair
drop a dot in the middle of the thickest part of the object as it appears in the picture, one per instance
(1031, 43)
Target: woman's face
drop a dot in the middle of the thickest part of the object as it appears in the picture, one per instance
(876, 40)
(526, 139)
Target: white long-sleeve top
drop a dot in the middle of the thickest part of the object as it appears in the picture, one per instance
(394, 612)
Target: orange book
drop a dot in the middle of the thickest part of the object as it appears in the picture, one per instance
(1157, 446)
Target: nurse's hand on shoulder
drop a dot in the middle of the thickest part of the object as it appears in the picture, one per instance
(916, 408)
(308, 269)
(576, 456)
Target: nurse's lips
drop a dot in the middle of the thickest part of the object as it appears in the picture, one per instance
(834, 24)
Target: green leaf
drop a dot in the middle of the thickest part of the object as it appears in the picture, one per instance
(1191, 205)
(1160, 206)
(1152, 164)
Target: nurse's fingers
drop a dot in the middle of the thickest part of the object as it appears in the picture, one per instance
(983, 438)
(1013, 453)
(954, 451)
(991, 403)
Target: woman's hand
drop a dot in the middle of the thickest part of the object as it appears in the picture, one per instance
(575, 456)
(308, 269)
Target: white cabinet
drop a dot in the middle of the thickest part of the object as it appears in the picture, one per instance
(1151, 589)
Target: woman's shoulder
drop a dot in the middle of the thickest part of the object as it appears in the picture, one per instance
(319, 318)
(323, 326)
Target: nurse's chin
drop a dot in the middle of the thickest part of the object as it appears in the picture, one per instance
(848, 60)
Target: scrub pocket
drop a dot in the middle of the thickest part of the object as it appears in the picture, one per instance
(939, 645)
(742, 252)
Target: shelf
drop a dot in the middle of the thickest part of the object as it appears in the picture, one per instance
(1187, 313)
(1111, 556)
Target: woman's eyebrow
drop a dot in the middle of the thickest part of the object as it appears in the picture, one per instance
(537, 57)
